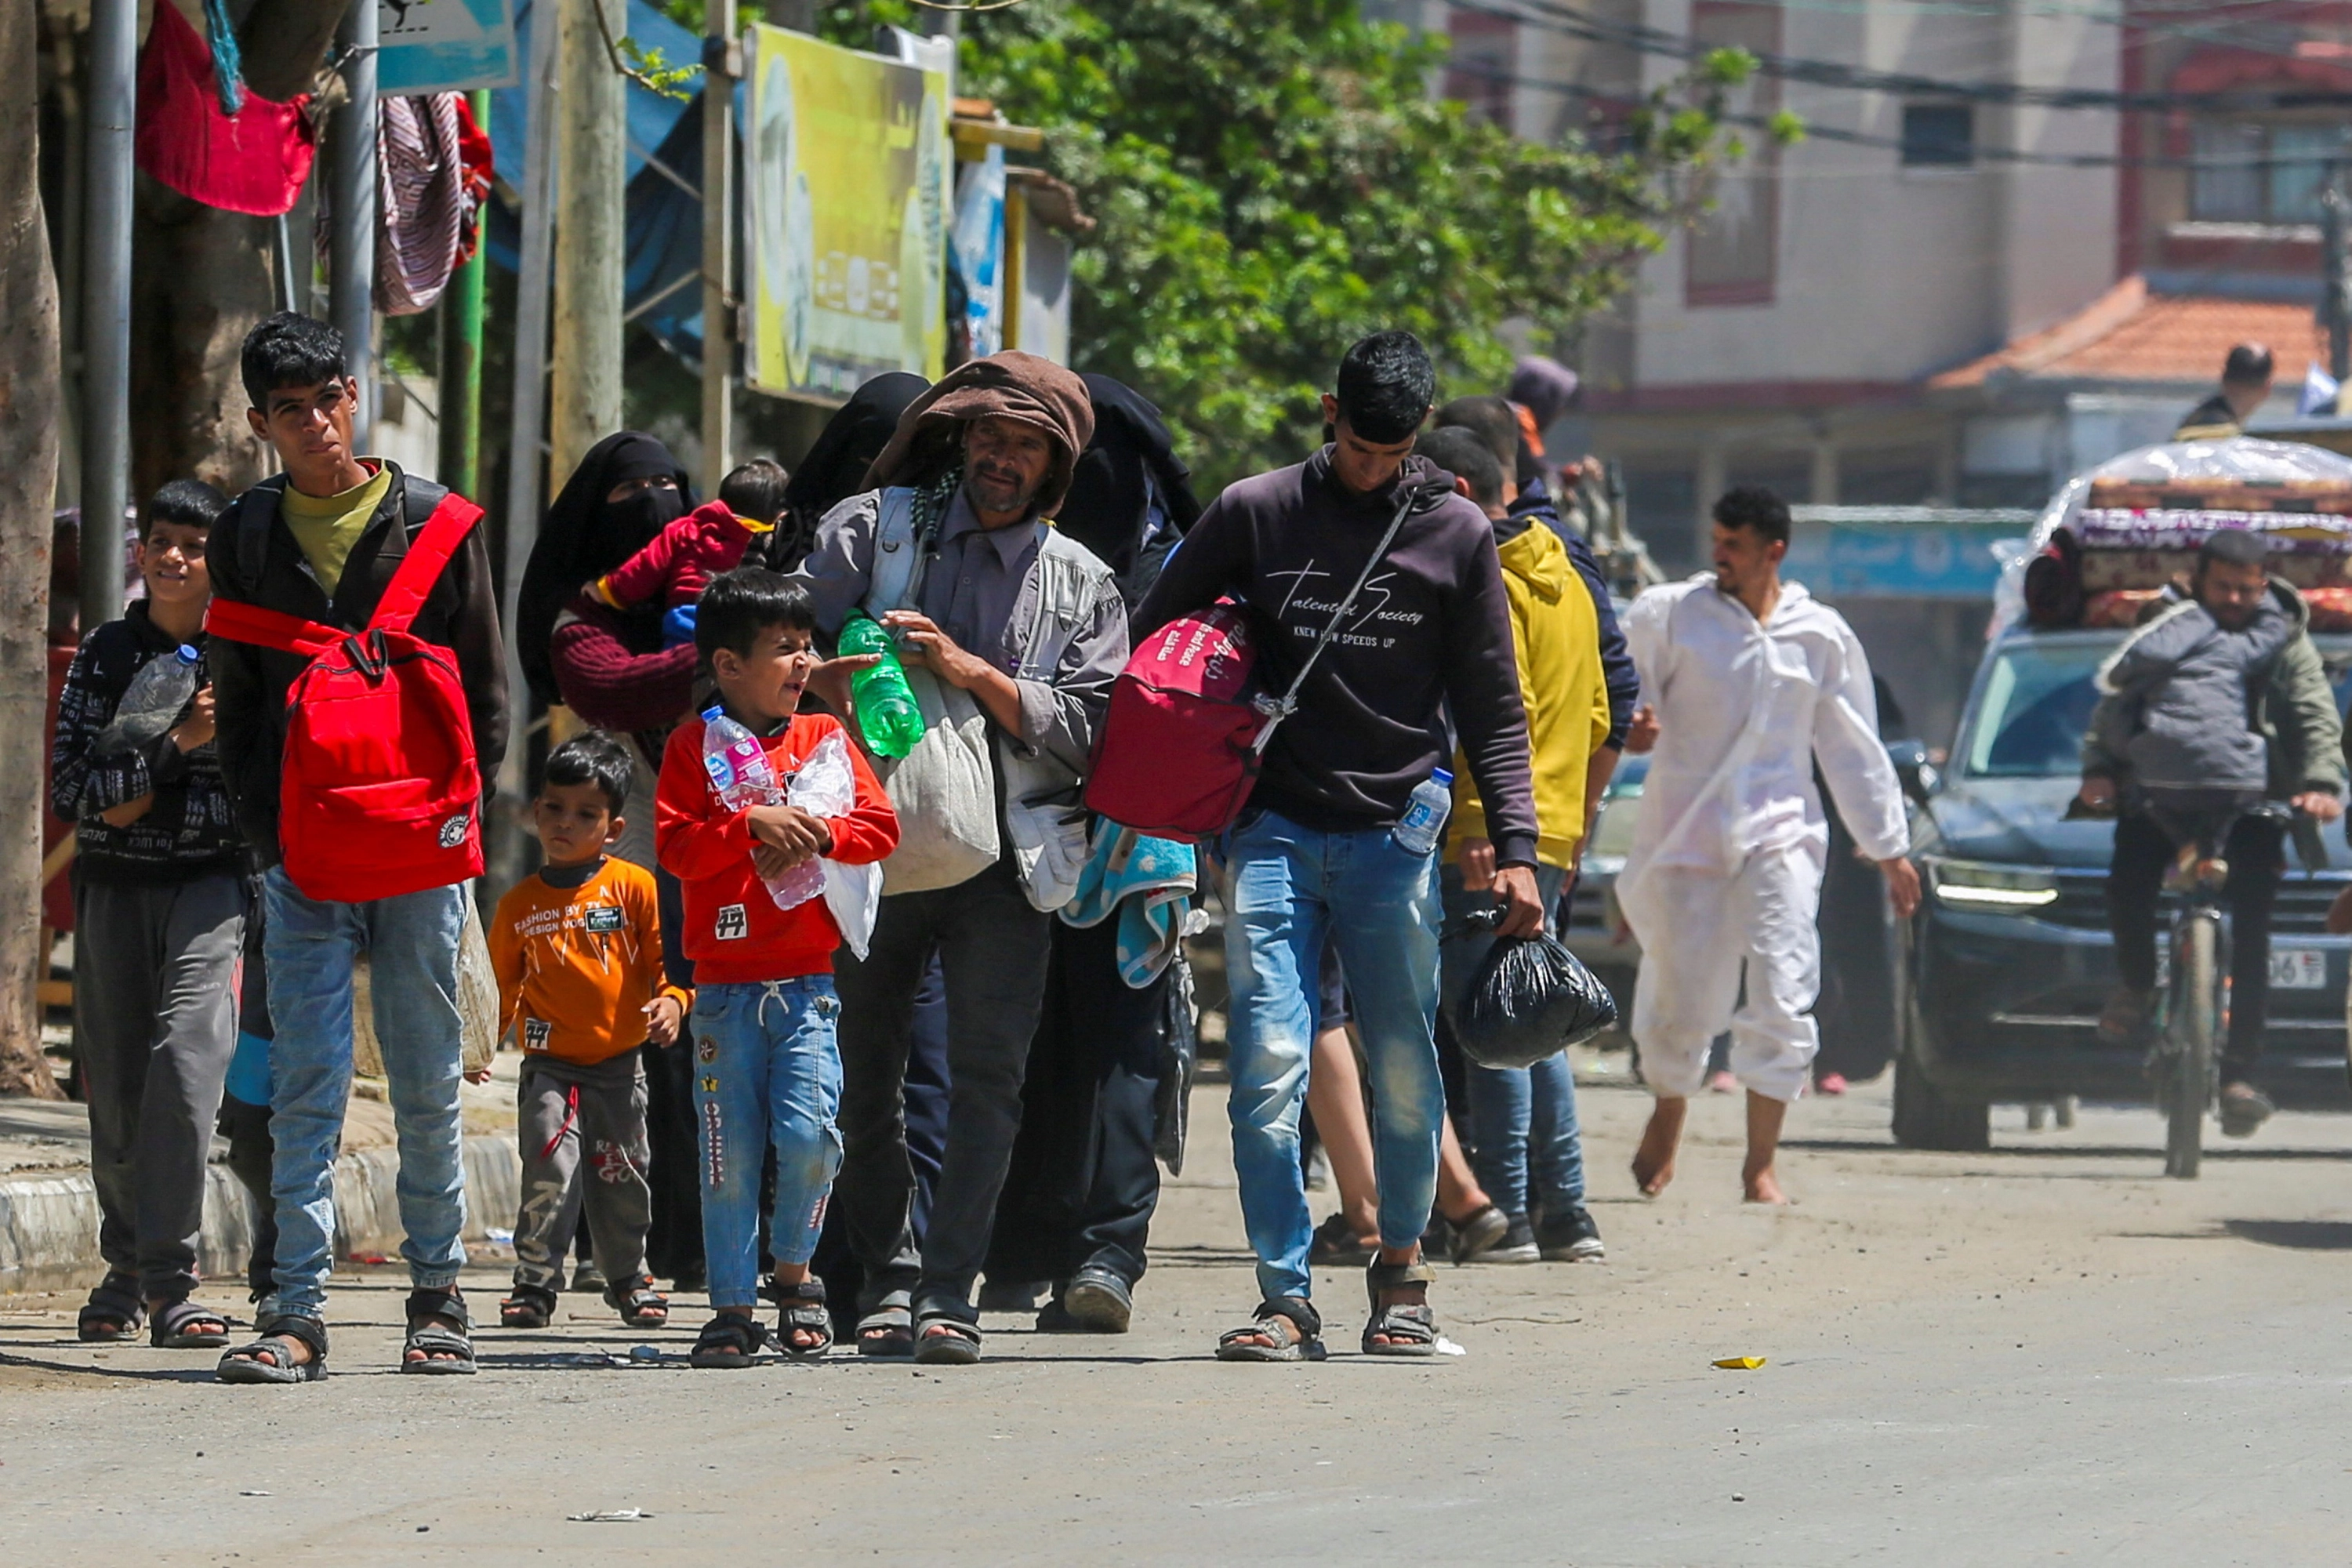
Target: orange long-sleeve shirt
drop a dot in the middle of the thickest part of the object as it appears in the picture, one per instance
(577, 965)
(734, 933)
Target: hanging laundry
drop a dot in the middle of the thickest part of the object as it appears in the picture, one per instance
(474, 149)
(422, 203)
(252, 162)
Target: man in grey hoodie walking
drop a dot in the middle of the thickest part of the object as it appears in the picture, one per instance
(2215, 705)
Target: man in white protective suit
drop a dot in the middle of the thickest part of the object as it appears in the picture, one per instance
(1752, 681)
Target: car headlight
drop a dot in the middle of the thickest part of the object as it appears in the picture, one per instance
(1973, 884)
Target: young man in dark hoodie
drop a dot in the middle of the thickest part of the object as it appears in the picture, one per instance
(1316, 854)
(321, 541)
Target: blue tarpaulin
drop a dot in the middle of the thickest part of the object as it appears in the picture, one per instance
(663, 231)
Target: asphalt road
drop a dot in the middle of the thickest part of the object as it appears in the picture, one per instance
(2043, 1352)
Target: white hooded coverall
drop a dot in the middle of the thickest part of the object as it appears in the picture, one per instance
(1726, 868)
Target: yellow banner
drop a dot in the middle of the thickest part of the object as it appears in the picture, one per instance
(848, 183)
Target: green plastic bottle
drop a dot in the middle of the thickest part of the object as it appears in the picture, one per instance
(887, 714)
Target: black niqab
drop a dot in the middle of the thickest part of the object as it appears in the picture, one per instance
(584, 536)
(834, 468)
(1131, 458)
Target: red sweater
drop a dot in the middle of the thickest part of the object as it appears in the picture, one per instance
(680, 561)
(733, 931)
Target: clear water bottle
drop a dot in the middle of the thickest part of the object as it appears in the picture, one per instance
(743, 777)
(887, 714)
(154, 701)
(1417, 831)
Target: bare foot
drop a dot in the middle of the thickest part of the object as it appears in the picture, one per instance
(1653, 1161)
(1762, 1186)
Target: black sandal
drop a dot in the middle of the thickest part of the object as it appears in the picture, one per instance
(1410, 1330)
(956, 1344)
(731, 1338)
(1290, 1321)
(278, 1336)
(640, 1305)
(801, 1309)
(530, 1306)
(113, 1313)
(174, 1328)
(455, 1346)
(1336, 1245)
(888, 1330)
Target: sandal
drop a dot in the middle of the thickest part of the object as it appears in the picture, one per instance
(640, 1305)
(530, 1306)
(889, 1328)
(455, 1346)
(802, 1310)
(1336, 1245)
(1477, 1231)
(1290, 1321)
(731, 1338)
(1410, 1330)
(278, 1336)
(956, 1341)
(114, 1311)
(176, 1327)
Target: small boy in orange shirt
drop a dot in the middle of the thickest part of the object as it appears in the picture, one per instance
(767, 1066)
(577, 947)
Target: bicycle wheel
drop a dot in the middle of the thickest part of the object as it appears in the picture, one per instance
(2195, 1023)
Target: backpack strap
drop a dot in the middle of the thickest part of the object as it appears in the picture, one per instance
(241, 622)
(453, 517)
(890, 578)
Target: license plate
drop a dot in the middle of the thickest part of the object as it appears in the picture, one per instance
(2298, 969)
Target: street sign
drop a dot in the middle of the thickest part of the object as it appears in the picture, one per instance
(444, 45)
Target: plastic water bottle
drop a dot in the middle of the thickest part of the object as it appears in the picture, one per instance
(1417, 830)
(156, 694)
(887, 714)
(743, 777)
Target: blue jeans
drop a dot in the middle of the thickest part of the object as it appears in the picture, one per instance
(412, 947)
(1289, 888)
(1521, 1117)
(767, 1070)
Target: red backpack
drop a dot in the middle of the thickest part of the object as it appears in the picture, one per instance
(1183, 701)
(379, 794)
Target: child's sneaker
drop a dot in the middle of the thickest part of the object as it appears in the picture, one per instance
(1571, 1236)
(1516, 1245)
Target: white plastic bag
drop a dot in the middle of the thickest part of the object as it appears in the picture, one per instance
(827, 785)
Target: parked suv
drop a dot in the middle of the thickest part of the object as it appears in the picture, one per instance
(2002, 974)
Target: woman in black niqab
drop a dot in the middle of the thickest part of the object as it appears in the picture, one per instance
(611, 508)
(834, 468)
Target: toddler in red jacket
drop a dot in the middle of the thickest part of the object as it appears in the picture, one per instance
(767, 1070)
(682, 559)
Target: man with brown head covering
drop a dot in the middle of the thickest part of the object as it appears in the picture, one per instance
(1012, 635)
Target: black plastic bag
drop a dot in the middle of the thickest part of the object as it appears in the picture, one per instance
(1531, 998)
(1179, 1065)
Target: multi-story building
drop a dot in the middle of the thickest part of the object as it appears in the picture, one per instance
(1960, 286)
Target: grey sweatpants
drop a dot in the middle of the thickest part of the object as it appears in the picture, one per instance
(155, 1025)
(582, 1132)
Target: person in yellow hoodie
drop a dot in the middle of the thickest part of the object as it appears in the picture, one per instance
(1529, 1153)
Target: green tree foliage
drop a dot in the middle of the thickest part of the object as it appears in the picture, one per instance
(1273, 179)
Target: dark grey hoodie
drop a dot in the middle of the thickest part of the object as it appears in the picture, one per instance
(2192, 681)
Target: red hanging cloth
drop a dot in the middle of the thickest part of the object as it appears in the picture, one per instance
(253, 163)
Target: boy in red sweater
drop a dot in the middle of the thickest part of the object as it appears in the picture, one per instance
(767, 1070)
(680, 561)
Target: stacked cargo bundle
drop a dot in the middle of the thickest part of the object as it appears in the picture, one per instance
(2126, 535)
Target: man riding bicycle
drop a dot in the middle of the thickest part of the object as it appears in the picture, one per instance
(2214, 706)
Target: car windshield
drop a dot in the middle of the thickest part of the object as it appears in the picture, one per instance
(2029, 718)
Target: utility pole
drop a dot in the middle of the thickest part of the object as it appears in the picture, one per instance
(591, 180)
(461, 355)
(351, 245)
(508, 847)
(722, 67)
(2334, 280)
(106, 306)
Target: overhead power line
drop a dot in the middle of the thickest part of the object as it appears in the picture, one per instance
(1552, 16)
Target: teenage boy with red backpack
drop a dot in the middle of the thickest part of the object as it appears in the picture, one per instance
(363, 708)
(1320, 849)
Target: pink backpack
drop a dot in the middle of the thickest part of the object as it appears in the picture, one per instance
(1184, 763)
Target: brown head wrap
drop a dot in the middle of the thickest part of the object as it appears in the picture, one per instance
(1010, 385)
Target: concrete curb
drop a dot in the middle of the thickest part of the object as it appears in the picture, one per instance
(48, 1220)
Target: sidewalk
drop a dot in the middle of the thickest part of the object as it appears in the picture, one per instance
(48, 1205)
